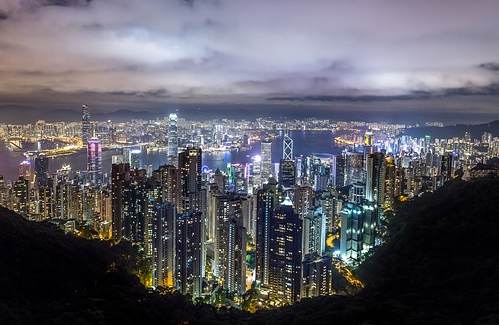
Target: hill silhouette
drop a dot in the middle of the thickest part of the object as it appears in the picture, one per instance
(458, 130)
(439, 266)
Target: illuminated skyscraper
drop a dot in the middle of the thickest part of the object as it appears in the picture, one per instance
(317, 276)
(94, 161)
(163, 243)
(351, 232)
(190, 179)
(285, 258)
(172, 140)
(266, 155)
(265, 203)
(287, 173)
(287, 147)
(128, 202)
(21, 196)
(230, 243)
(354, 168)
(189, 259)
(314, 232)
(41, 170)
(85, 124)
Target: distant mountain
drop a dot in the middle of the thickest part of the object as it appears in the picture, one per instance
(12, 115)
(458, 130)
(439, 266)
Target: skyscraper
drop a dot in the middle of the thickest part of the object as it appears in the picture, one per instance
(172, 140)
(285, 258)
(94, 161)
(120, 176)
(230, 243)
(85, 124)
(351, 232)
(21, 196)
(41, 170)
(163, 243)
(266, 155)
(287, 147)
(314, 232)
(190, 179)
(265, 204)
(189, 259)
(287, 173)
(317, 276)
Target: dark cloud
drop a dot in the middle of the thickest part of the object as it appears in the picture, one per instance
(491, 66)
(234, 50)
(489, 90)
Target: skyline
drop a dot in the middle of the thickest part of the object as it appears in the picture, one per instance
(320, 57)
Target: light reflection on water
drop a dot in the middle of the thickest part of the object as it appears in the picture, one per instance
(305, 143)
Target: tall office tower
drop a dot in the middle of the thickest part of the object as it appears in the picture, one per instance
(3, 192)
(331, 205)
(41, 170)
(287, 147)
(351, 232)
(172, 140)
(189, 259)
(61, 201)
(369, 138)
(446, 167)
(230, 243)
(162, 224)
(266, 200)
(389, 186)
(135, 202)
(354, 167)
(255, 174)
(135, 158)
(321, 172)
(317, 276)
(94, 161)
(314, 232)
(338, 170)
(370, 226)
(368, 142)
(190, 179)
(25, 170)
(285, 257)
(375, 178)
(21, 196)
(169, 179)
(85, 124)
(375, 195)
(357, 193)
(266, 154)
(287, 174)
(120, 188)
(303, 200)
(46, 199)
(220, 180)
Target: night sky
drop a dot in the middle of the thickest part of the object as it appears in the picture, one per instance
(323, 55)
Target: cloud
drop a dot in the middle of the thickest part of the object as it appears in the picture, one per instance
(320, 50)
(490, 66)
